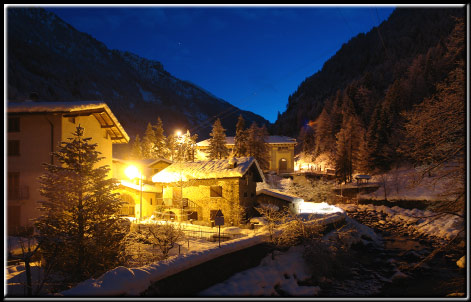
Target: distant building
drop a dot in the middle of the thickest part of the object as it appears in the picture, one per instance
(35, 129)
(280, 199)
(130, 189)
(281, 151)
(197, 190)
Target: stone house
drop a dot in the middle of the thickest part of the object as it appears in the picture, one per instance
(35, 129)
(281, 152)
(197, 190)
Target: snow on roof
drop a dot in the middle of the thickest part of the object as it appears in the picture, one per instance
(145, 187)
(184, 171)
(273, 139)
(280, 195)
(100, 111)
(142, 162)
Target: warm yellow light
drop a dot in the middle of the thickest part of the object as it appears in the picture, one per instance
(178, 133)
(132, 172)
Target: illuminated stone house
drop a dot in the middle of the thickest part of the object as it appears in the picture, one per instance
(130, 189)
(197, 190)
(35, 129)
(281, 152)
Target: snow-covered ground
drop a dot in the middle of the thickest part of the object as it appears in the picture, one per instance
(282, 275)
(444, 226)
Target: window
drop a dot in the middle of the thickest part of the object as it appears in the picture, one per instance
(13, 185)
(13, 124)
(245, 194)
(13, 147)
(215, 191)
(282, 149)
(151, 201)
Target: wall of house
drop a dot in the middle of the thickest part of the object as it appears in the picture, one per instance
(149, 201)
(35, 147)
(198, 192)
(37, 131)
(281, 151)
(91, 128)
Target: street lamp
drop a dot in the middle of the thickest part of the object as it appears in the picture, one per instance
(133, 172)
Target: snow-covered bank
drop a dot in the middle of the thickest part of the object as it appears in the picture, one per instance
(133, 281)
(282, 275)
(445, 226)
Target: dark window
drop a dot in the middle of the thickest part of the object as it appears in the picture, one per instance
(252, 194)
(14, 124)
(245, 194)
(13, 185)
(13, 147)
(215, 191)
(151, 201)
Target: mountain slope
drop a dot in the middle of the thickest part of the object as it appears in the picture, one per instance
(372, 62)
(50, 57)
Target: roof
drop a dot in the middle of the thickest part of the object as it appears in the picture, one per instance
(280, 195)
(143, 162)
(362, 177)
(99, 110)
(272, 139)
(145, 187)
(210, 169)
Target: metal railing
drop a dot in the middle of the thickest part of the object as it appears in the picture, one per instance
(211, 235)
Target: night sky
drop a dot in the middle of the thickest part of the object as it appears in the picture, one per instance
(253, 57)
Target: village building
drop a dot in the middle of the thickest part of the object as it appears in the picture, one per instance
(195, 191)
(281, 152)
(136, 197)
(35, 129)
(280, 199)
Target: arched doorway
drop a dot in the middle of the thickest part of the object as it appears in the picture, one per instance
(128, 208)
(283, 164)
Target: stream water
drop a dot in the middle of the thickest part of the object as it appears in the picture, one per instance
(386, 271)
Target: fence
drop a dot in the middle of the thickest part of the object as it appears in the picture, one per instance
(211, 235)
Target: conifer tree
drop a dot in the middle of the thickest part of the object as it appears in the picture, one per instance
(136, 148)
(79, 227)
(148, 143)
(240, 139)
(261, 154)
(160, 145)
(256, 145)
(172, 147)
(217, 143)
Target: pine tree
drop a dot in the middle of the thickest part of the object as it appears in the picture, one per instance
(172, 147)
(136, 148)
(256, 145)
(160, 145)
(217, 143)
(262, 155)
(148, 143)
(240, 139)
(79, 229)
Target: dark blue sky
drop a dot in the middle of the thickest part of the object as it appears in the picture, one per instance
(253, 57)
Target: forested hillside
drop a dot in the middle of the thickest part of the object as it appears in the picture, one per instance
(48, 56)
(353, 111)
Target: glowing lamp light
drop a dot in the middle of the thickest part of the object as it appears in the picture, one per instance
(178, 133)
(132, 172)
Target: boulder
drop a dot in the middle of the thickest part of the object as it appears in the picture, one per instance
(461, 262)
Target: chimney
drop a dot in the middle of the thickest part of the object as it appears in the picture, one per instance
(232, 163)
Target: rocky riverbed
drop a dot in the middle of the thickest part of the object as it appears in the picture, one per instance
(399, 267)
